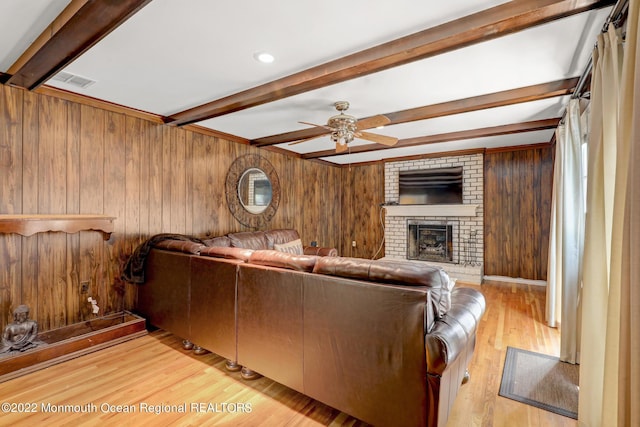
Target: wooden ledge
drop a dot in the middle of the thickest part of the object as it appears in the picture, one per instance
(28, 225)
(71, 341)
(431, 210)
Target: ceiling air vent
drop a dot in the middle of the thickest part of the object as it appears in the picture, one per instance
(73, 79)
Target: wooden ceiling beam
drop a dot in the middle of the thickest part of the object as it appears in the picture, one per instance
(485, 25)
(82, 24)
(480, 102)
(531, 126)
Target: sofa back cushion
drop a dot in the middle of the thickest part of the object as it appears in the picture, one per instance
(280, 236)
(283, 260)
(395, 272)
(248, 240)
(221, 241)
(262, 239)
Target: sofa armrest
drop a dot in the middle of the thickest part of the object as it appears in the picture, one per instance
(454, 332)
(314, 250)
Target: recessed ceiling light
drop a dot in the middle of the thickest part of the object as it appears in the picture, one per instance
(264, 57)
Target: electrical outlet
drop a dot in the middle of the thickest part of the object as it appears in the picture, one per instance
(353, 244)
(84, 287)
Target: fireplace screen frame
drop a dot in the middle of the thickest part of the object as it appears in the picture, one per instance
(450, 228)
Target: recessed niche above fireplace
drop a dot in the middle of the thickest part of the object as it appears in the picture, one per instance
(436, 186)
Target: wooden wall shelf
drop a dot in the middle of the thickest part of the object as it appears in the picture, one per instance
(28, 225)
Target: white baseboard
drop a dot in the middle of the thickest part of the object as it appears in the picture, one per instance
(516, 280)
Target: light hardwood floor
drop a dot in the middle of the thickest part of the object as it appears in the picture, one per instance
(514, 317)
(154, 370)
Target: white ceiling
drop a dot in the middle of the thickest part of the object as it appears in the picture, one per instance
(175, 54)
(21, 22)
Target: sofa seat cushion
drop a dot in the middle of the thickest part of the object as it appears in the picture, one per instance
(395, 272)
(286, 260)
(228, 253)
(248, 240)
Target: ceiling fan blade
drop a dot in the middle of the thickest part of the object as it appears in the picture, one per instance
(341, 148)
(373, 122)
(306, 139)
(318, 126)
(379, 139)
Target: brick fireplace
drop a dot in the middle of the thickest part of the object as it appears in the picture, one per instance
(454, 239)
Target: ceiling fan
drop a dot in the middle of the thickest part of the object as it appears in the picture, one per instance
(344, 128)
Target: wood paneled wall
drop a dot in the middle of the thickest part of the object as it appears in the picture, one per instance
(517, 206)
(362, 196)
(59, 156)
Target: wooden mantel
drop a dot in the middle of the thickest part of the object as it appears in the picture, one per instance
(28, 225)
(432, 210)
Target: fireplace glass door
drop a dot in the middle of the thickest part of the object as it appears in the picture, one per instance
(429, 242)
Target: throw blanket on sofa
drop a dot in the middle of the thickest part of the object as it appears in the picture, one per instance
(133, 270)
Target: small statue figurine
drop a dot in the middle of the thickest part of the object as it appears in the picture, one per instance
(21, 334)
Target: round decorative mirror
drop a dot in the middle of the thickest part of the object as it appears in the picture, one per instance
(253, 190)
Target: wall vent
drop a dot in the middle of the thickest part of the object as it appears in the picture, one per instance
(73, 79)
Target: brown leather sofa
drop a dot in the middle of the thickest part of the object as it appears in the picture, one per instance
(387, 342)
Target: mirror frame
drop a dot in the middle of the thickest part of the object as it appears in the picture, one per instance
(236, 170)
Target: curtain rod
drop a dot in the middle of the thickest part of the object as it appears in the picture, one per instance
(617, 16)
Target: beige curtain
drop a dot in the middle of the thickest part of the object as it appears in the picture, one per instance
(596, 264)
(622, 367)
(553, 306)
(610, 369)
(567, 235)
